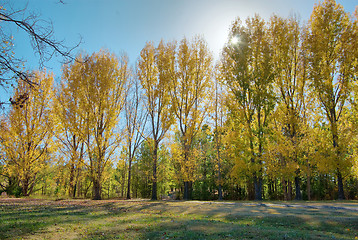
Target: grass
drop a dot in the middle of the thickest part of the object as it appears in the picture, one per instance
(141, 219)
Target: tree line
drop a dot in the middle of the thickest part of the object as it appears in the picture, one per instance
(274, 118)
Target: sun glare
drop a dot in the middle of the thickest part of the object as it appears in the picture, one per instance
(234, 40)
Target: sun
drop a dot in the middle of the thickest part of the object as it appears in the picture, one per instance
(234, 40)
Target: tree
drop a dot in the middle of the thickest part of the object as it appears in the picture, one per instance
(330, 41)
(70, 123)
(219, 118)
(100, 78)
(190, 96)
(290, 66)
(135, 120)
(237, 151)
(354, 100)
(247, 71)
(144, 169)
(155, 70)
(207, 167)
(27, 136)
(41, 37)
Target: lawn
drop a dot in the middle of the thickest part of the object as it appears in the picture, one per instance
(142, 219)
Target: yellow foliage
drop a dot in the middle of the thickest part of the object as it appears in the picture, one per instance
(26, 140)
(190, 97)
(93, 97)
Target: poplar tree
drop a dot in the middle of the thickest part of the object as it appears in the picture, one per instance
(289, 61)
(190, 96)
(331, 41)
(246, 68)
(100, 80)
(155, 70)
(70, 123)
(27, 136)
(135, 123)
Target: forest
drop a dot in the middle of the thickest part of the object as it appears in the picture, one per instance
(276, 118)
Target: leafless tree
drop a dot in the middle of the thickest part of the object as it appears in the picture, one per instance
(135, 119)
(41, 37)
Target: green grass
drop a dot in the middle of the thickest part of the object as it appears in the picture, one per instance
(140, 219)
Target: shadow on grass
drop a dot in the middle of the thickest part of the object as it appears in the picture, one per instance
(18, 221)
(242, 223)
(172, 220)
(211, 229)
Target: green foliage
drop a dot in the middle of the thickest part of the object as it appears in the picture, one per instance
(142, 172)
(143, 167)
(13, 188)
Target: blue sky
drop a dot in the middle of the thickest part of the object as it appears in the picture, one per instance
(125, 26)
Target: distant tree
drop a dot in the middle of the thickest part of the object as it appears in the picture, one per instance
(143, 168)
(219, 118)
(135, 123)
(206, 182)
(121, 174)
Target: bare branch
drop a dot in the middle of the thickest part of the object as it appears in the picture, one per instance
(42, 40)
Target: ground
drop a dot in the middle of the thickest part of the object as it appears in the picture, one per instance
(143, 219)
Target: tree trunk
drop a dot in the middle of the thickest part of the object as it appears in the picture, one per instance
(96, 190)
(187, 183)
(155, 158)
(220, 192)
(74, 190)
(187, 190)
(28, 185)
(25, 188)
(289, 190)
(258, 179)
(298, 189)
(204, 190)
(284, 186)
(270, 189)
(71, 180)
(256, 192)
(123, 180)
(129, 178)
(309, 187)
(258, 188)
(336, 147)
(340, 186)
(219, 169)
(154, 190)
(217, 140)
(78, 186)
(250, 189)
(136, 192)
